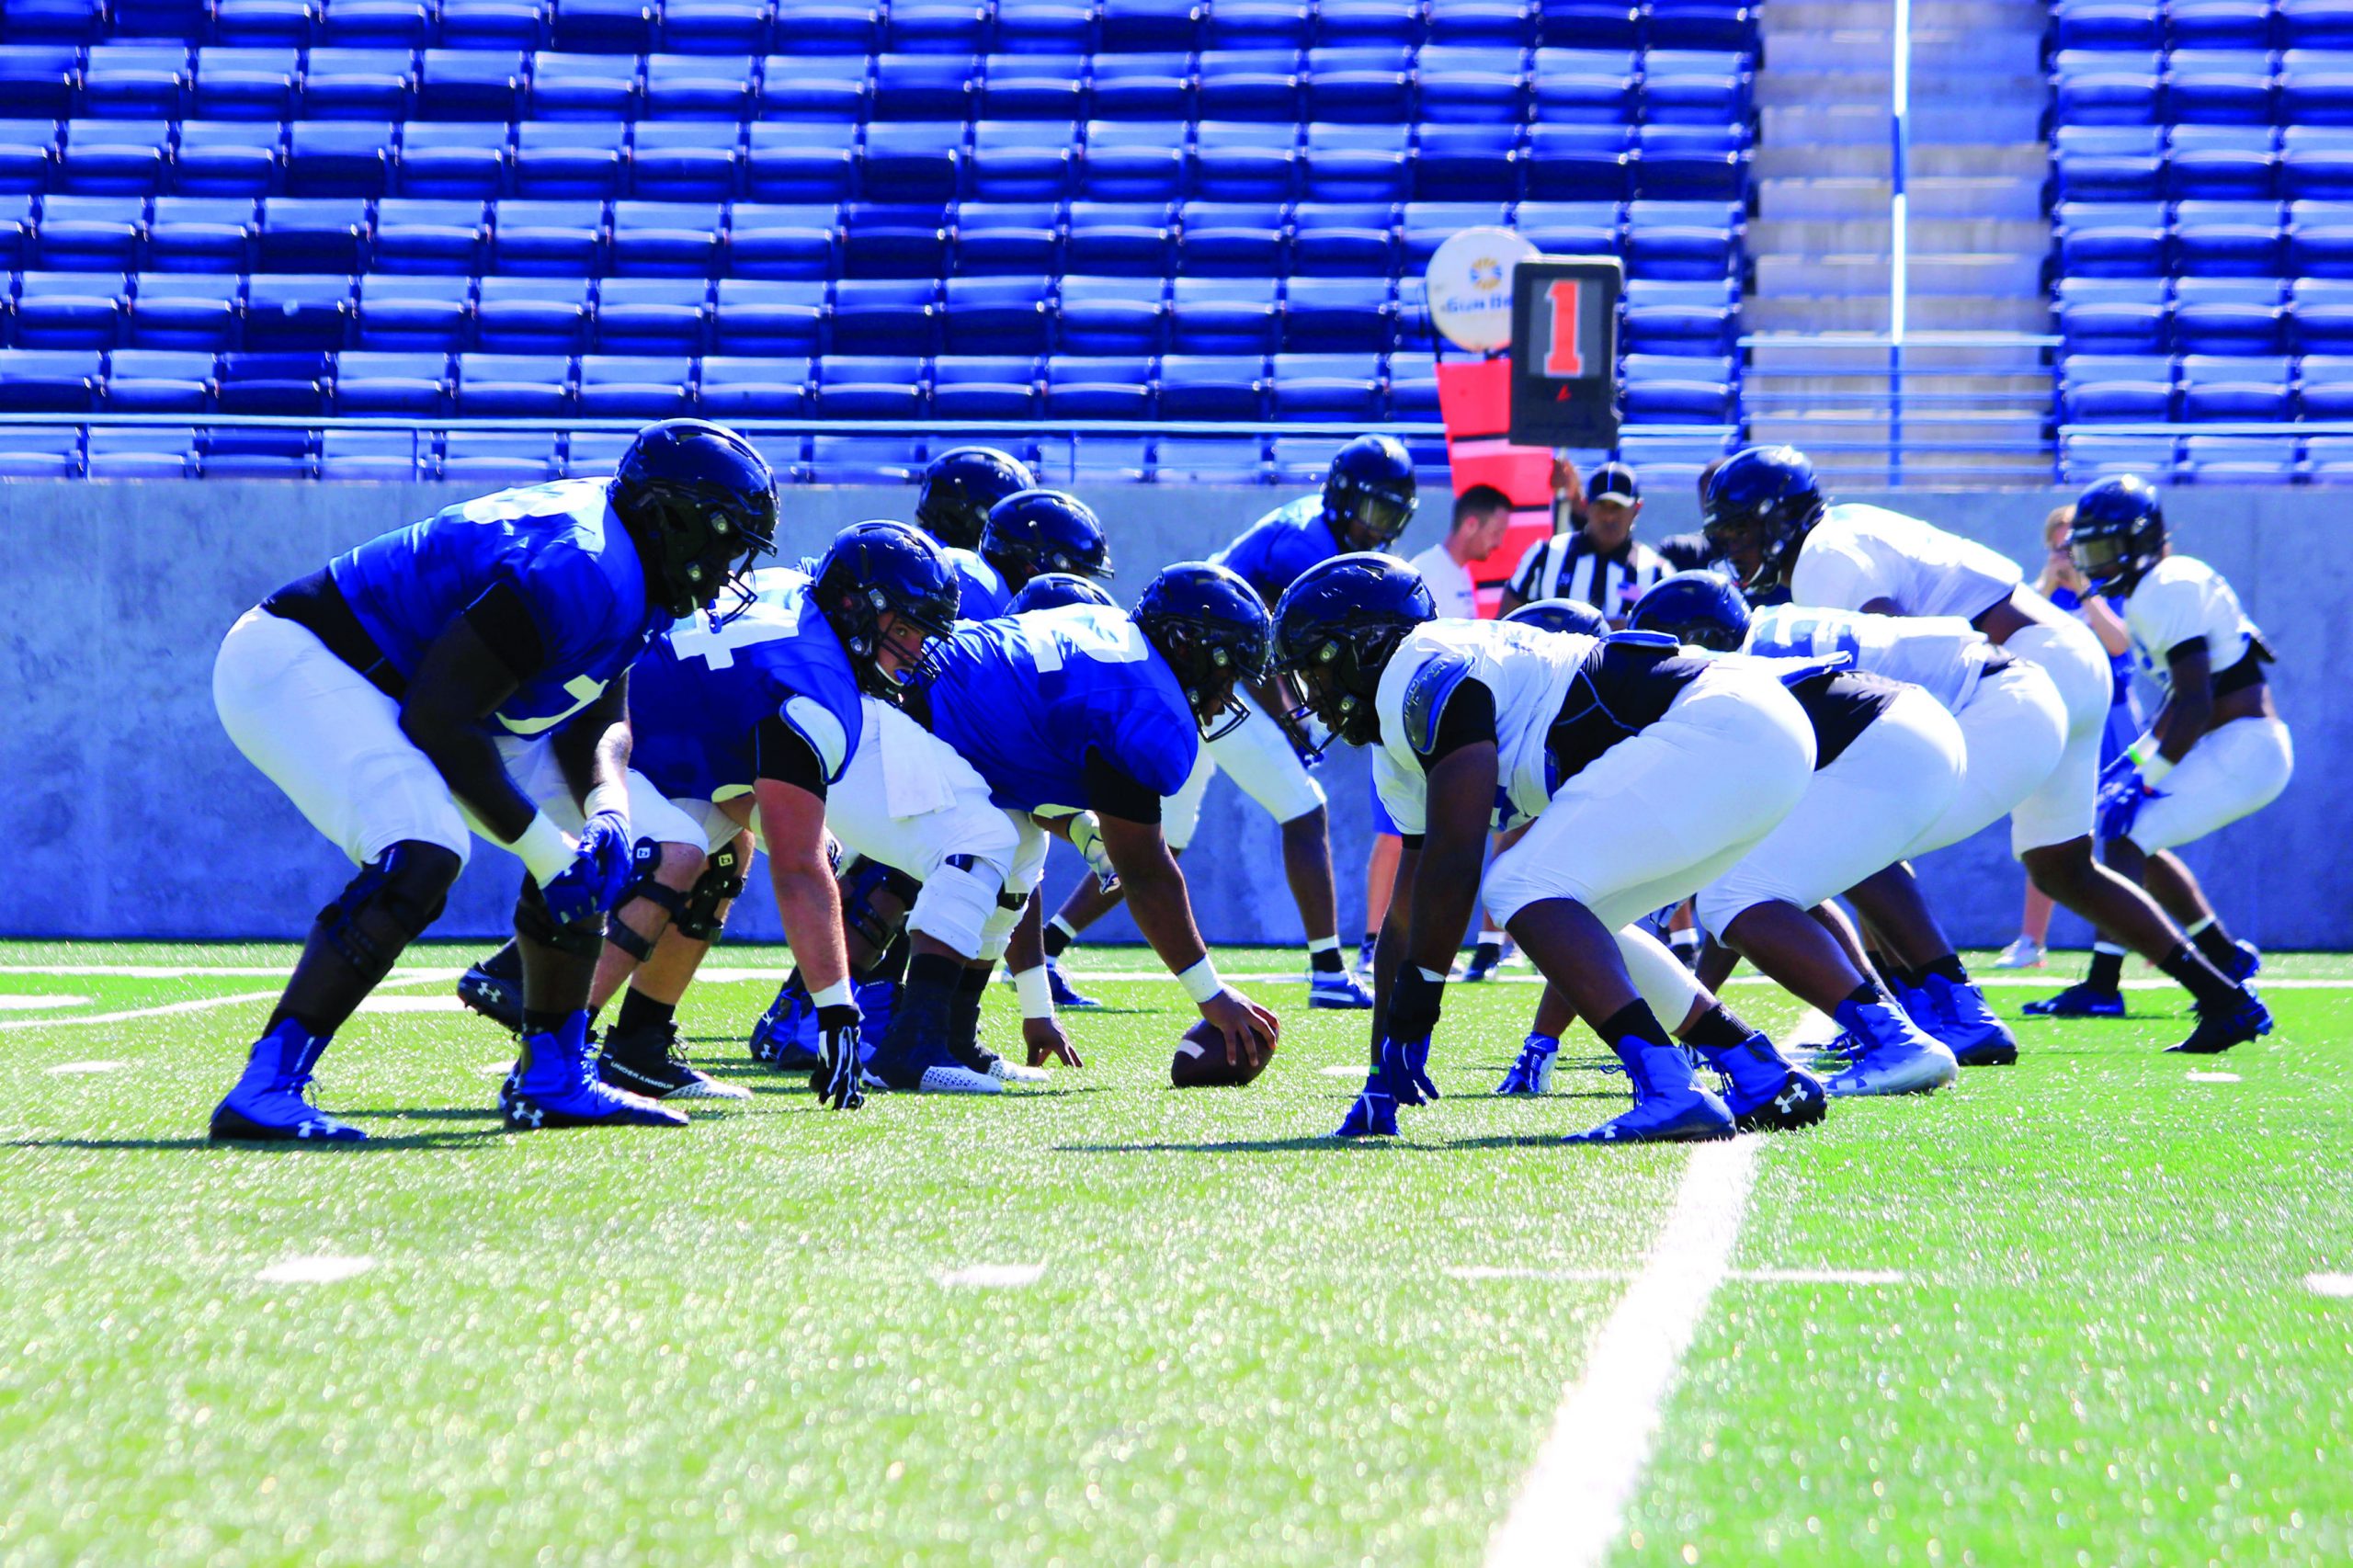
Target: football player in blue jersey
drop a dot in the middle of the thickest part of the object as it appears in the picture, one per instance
(1367, 500)
(470, 671)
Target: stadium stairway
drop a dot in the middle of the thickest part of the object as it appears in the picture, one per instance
(1821, 248)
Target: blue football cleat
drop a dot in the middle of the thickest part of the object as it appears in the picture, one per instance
(1364, 954)
(270, 1102)
(1670, 1104)
(1960, 1017)
(2222, 1028)
(1336, 989)
(926, 1069)
(1486, 957)
(788, 1029)
(2246, 963)
(1891, 1055)
(1533, 1074)
(2078, 1001)
(1063, 994)
(494, 988)
(1373, 1116)
(1767, 1092)
(555, 1085)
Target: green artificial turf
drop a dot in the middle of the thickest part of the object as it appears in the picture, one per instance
(1244, 1344)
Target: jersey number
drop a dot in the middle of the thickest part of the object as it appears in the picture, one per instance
(697, 639)
(1055, 636)
(1800, 638)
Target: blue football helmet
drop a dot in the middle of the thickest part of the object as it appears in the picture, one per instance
(959, 486)
(700, 503)
(1051, 590)
(1212, 628)
(1044, 530)
(2118, 534)
(1701, 608)
(1369, 493)
(1561, 615)
(1759, 508)
(1335, 629)
(873, 569)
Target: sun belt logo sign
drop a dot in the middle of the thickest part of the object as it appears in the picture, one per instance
(1470, 286)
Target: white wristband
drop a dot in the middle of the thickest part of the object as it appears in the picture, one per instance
(546, 849)
(837, 994)
(609, 797)
(1201, 982)
(2152, 762)
(1037, 996)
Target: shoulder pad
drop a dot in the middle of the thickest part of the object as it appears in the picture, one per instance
(1425, 695)
(816, 723)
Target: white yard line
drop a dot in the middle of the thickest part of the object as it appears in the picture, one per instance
(1571, 1508)
(994, 1276)
(196, 1005)
(324, 1269)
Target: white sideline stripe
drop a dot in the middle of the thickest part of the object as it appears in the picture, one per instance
(75, 1069)
(1571, 1508)
(2337, 1285)
(994, 1276)
(445, 1003)
(30, 1004)
(197, 1004)
(319, 1271)
(2197, 1077)
(1297, 977)
(188, 971)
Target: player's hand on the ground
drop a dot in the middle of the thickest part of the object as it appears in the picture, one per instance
(1373, 1116)
(1249, 1030)
(1405, 1071)
(1047, 1042)
(578, 892)
(836, 1079)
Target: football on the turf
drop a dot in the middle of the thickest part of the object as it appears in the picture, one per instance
(1200, 1060)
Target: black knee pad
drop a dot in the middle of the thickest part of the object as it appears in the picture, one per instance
(534, 924)
(862, 886)
(722, 881)
(389, 904)
(645, 860)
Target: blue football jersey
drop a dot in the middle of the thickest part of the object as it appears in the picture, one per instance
(981, 593)
(559, 545)
(1024, 699)
(701, 693)
(1279, 546)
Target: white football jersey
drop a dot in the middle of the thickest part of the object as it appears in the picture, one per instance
(1528, 671)
(1943, 654)
(1858, 553)
(2182, 600)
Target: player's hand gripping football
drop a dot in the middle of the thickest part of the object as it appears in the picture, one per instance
(836, 1080)
(1249, 1030)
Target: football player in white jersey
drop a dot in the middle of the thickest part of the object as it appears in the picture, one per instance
(1768, 518)
(1481, 725)
(2012, 728)
(2216, 751)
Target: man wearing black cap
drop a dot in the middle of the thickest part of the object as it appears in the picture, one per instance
(1601, 563)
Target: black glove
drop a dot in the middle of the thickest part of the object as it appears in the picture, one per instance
(1414, 1002)
(836, 1080)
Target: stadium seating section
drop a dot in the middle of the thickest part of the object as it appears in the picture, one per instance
(2202, 233)
(1035, 210)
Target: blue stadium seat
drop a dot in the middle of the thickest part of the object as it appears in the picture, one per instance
(2327, 386)
(2316, 86)
(760, 315)
(1690, 161)
(2109, 163)
(1112, 315)
(720, 28)
(70, 310)
(761, 387)
(1303, 461)
(912, 161)
(594, 454)
(282, 22)
(2109, 24)
(1097, 386)
(2228, 315)
(1452, 162)
(72, 21)
(1141, 86)
(605, 27)
(1001, 237)
(2328, 459)
(16, 231)
(771, 240)
(2112, 315)
(33, 451)
(891, 241)
(1213, 386)
(996, 315)
(864, 459)
(1250, 83)
(2113, 388)
(1579, 163)
(276, 382)
(513, 386)
(667, 239)
(1337, 314)
(1024, 160)
(245, 84)
(1230, 239)
(636, 386)
(2084, 458)
(297, 309)
(1131, 239)
(1209, 459)
(403, 313)
(1355, 24)
(836, 28)
(885, 316)
(936, 27)
(1694, 87)
(652, 315)
(815, 89)
(131, 79)
(1044, 27)
(27, 152)
(2317, 162)
(90, 234)
(380, 457)
(698, 87)
(532, 315)
(457, 159)
(559, 239)
(1356, 163)
(2218, 86)
(1569, 228)
(2112, 239)
(236, 453)
(1589, 86)
(2319, 239)
(683, 159)
(498, 458)
(1140, 161)
(2315, 24)
(1344, 239)
(2239, 459)
(1490, 24)
(1222, 315)
(470, 84)
(1665, 460)
(2228, 239)
(1034, 87)
(925, 86)
(112, 157)
(1701, 24)
(878, 386)
(158, 381)
(2320, 315)
(555, 160)
(1133, 25)
(37, 80)
(2247, 387)
(373, 382)
(41, 381)
(1664, 316)
(1334, 387)
(1258, 23)
(184, 310)
(2221, 163)
(375, 24)
(1425, 225)
(1674, 389)
(148, 451)
(418, 235)
(987, 387)
(494, 24)
(341, 83)
(1682, 239)
(2106, 87)
(338, 157)
(1360, 84)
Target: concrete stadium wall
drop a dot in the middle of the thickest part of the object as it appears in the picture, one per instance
(133, 815)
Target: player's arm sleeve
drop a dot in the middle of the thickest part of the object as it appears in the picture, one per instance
(502, 617)
(782, 753)
(1112, 791)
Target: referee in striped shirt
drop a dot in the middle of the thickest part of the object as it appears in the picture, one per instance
(1600, 563)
